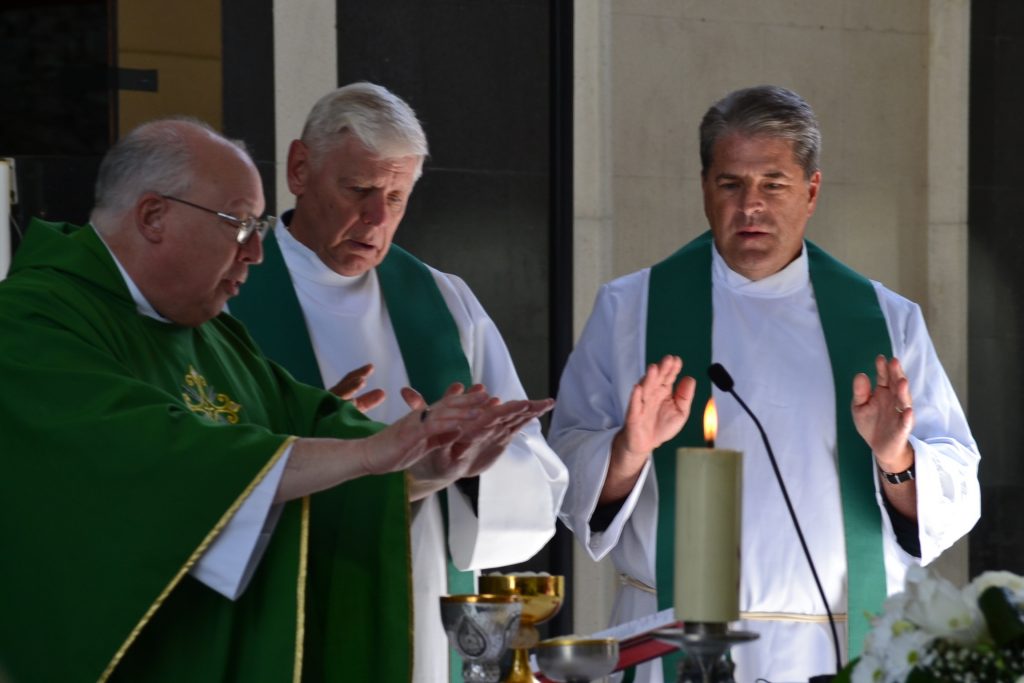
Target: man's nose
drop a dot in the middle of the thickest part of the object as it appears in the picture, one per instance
(751, 201)
(374, 209)
(252, 250)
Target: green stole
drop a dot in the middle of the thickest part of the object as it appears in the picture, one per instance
(679, 299)
(428, 340)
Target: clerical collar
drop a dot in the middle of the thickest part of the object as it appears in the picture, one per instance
(304, 262)
(142, 304)
(787, 281)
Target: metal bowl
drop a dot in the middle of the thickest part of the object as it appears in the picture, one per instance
(576, 660)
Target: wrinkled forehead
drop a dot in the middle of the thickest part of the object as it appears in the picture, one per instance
(348, 147)
(353, 159)
(754, 151)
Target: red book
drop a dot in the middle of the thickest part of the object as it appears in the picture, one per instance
(644, 647)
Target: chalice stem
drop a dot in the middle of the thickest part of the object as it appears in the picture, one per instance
(520, 672)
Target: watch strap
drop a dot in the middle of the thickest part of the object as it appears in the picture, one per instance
(898, 477)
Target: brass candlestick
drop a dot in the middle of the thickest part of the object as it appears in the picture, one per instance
(542, 597)
(704, 646)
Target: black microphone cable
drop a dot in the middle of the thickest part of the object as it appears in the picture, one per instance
(721, 379)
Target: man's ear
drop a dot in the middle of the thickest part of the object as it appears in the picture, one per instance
(813, 188)
(298, 167)
(150, 213)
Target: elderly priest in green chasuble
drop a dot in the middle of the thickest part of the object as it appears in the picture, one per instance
(173, 505)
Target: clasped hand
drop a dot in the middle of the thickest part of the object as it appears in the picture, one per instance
(479, 443)
(413, 439)
(459, 437)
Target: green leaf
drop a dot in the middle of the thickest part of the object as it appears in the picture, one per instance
(844, 675)
(1005, 620)
(920, 676)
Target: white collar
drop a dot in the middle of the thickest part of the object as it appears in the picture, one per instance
(789, 280)
(142, 304)
(303, 262)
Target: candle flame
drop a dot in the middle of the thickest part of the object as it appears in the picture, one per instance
(710, 422)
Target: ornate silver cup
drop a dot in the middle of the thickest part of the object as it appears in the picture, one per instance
(480, 627)
(577, 660)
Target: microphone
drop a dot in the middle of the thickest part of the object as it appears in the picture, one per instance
(723, 380)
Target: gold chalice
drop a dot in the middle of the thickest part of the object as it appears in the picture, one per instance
(542, 597)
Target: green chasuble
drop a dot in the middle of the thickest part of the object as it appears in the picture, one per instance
(679, 301)
(427, 336)
(127, 445)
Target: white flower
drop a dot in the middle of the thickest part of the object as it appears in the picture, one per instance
(906, 651)
(884, 628)
(1002, 579)
(931, 609)
(868, 670)
(939, 608)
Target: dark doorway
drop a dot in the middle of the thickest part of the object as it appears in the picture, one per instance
(996, 253)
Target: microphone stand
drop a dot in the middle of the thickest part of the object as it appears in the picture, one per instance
(721, 379)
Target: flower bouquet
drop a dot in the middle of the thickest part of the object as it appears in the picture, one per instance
(934, 632)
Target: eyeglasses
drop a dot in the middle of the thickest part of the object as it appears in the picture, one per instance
(246, 226)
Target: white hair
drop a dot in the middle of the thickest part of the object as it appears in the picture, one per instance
(379, 119)
(154, 157)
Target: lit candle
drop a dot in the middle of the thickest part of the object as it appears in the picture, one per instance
(707, 553)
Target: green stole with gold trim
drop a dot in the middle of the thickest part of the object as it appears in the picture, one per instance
(679, 300)
(428, 340)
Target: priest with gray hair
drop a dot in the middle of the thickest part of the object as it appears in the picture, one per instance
(871, 440)
(340, 305)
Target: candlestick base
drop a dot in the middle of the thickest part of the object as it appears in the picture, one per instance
(704, 645)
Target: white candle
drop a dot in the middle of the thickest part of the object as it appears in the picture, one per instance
(708, 519)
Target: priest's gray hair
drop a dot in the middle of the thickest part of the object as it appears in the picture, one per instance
(767, 110)
(379, 119)
(154, 157)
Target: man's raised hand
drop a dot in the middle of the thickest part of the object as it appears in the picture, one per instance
(884, 417)
(355, 381)
(658, 409)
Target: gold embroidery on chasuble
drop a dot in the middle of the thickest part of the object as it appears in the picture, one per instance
(201, 398)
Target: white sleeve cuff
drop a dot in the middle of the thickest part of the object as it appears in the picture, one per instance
(232, 558)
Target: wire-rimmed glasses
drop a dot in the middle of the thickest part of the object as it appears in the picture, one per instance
(246, 226)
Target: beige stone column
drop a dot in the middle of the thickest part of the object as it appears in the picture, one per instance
(305, 68)
(946, 309)
(593, 246)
